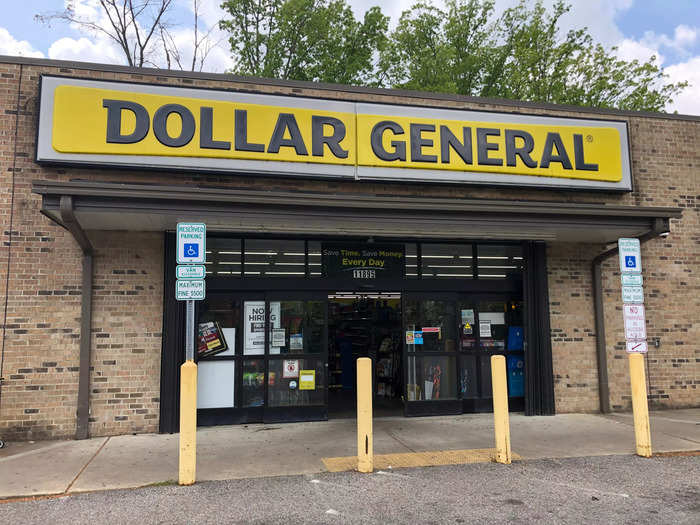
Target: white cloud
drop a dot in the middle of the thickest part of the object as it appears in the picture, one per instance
(10, 46)
(598, 16)
(688, 102)
(685, 36)
(629, 49)
(683, 39)
(85, 50)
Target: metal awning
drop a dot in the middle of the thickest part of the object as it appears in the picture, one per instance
(150, 207)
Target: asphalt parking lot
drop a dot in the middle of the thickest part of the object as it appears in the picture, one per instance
(602, 489)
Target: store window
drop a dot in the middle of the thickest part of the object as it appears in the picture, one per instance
(223, 257)
(432, 378)
(253, 258)
(217, 330)
(434, 321)
(253, 388)
(446, 261)
(500, 331)
(314, 258)
(274, 258)
(304, 386)
(499, 261)
(296, 327)
(431, 346)
(411, 261)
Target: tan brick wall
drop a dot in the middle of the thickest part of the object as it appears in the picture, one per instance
(572, 324)
(43, 313)
(126, 335)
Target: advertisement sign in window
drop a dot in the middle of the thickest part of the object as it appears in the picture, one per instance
(368, 261)
(254, 333)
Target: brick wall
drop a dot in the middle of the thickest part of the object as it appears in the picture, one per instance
(572, 325)
(126, 335)
(43, 293)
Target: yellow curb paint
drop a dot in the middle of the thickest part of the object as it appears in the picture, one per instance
(501, 421)
(640, 405)
(417, 459)
(188, 423)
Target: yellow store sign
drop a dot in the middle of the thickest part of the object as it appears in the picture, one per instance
(91, 122)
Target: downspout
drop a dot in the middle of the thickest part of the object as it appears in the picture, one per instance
(661, 227)
(73, 226)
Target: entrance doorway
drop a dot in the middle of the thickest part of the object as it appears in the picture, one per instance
(279, 333)
(365, 325)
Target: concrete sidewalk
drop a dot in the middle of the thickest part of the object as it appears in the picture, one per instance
(58, 467)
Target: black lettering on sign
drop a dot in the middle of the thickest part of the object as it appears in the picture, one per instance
(114, 121)
(449, 140)
(399, 146)
(160, 125)
(318, 139)
(206, 125)
(578, 156)
(241, 134)
(554, 141)
(483, 146)
(520, 151)
(418, 143)
(287, 122)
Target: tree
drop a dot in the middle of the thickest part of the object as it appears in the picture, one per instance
(304, 39)
(520, 55)
(140, 29)
(419, 56)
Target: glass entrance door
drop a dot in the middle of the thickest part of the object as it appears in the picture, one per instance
(448, 343)
(430, 354)
(296, 345)
(490, 325)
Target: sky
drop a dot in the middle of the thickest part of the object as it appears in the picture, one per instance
(668, 29)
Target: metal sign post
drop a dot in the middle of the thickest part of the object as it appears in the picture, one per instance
(635, 338)
(189, 287)
(189, 332)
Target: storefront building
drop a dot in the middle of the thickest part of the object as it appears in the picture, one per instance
(425, 231)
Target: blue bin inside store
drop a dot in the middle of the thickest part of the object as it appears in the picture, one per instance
(515, 367)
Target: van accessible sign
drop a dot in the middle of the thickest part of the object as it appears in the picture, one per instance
(124, 124)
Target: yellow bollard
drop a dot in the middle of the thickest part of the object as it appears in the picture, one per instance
(365, 454)
(640, 406)
(501, 421)
(188, 422)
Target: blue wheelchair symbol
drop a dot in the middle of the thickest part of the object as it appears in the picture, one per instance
(630, 261)
(191, 250)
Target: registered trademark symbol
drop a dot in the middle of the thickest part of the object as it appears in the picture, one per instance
(589, 138)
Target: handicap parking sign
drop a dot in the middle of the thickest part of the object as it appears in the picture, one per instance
(630, 255)
(191, 239)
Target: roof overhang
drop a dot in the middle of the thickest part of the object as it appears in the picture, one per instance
(145, 207)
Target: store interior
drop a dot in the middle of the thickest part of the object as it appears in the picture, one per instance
(364, 325)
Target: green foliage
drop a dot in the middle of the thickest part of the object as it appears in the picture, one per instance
(304, 39)
(464, 48)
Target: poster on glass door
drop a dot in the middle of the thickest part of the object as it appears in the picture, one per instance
(254, 340)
